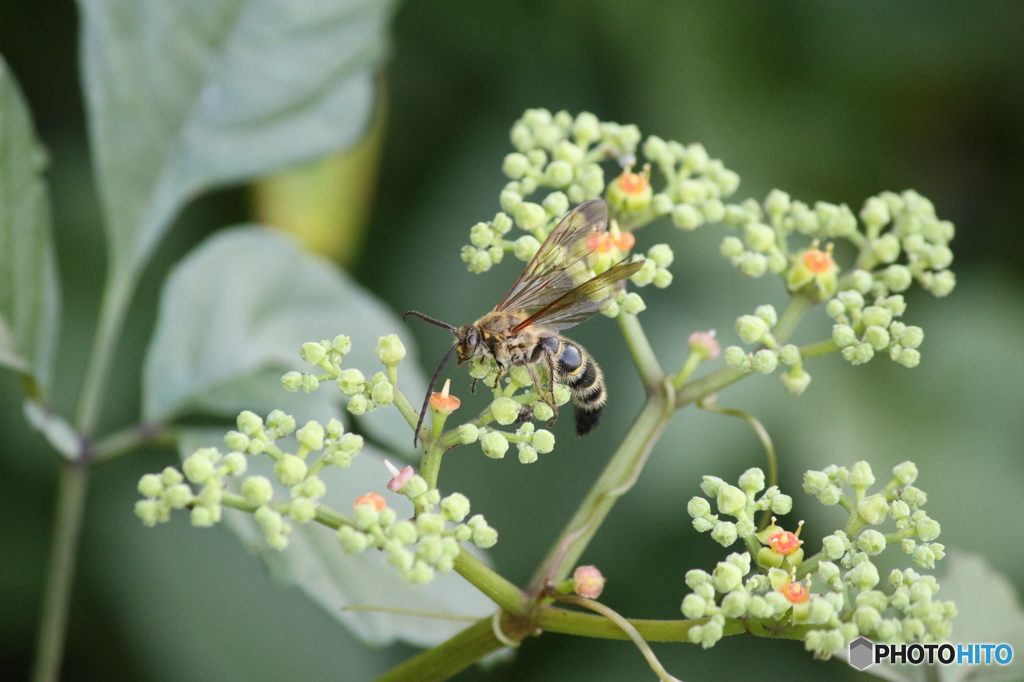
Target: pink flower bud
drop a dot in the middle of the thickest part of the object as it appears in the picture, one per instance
(588, 581)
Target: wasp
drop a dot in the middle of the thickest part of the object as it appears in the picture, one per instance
(553, 293)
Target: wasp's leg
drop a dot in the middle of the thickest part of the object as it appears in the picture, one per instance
(472, 386)
(549, 365)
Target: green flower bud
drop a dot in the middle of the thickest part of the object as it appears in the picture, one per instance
(834, 546)
(563, 394)
(586, 128)
(859, 353)
(151, 512)
(731, 500)
(270, 521)
(694, 606)
(311, 436)
(915, 497)
(202, 517)
(559, 173)
(198, 467)
(661, 255)
(724, 533)
(909, 358)
(480, 261)
(777, 202)
(510, 201)
(481, 235)
(758, 237)
(505, 410)
(177, 496)
(886, 248)
(525, 247)
(556, 203)
(515, 165)
(768, 314)
(529, 216)
(713, 210)
(782, 504)
(645, 275)
(905, 473)
(687, 217)
(753, 264)
(864, 575)
(351, 381)
(302, 510)
(752, 480)
(820, 611)
(455, 507)
(764, 361)
(911, 337)
(843, 335)
(878, 337)
(484, 537)
(312, 353)
(871, 542)
(249, 423)
(789, 354)
(404, 532)
(726, 577)
(257, 491)
(750, 328)
(494, 444)
(828, 572)
(732, 247)
(897, 277)
(383, 393)
(662, 204)
(876, 316)
(662, 279)
(358, 404)
(927, 529)
(351, 540)
(851, 299)
(835, 308)
(543, 440)
(542, 412)
(875, 213)
(290, 470)
(291, 382)
(861, 476)
(150, 485)
(633, 304)
(796, 381)
(735, 356)
(829, 496)
(280, 423)
(527, 453)
(698, 507)
(873, 509)
(468, 433)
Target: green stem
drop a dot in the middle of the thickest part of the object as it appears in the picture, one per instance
(128, 439)
(117, 297)
(497, 588)
(815, 350)
(72, 487)
(448, 658)
(692, 361)
(430, 463)
(627, 627)
(617, 478)
(791, 317)
(759, 430)
(74, 477)
(643, 354)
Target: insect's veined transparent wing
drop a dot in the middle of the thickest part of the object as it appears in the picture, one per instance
(560, 263)
(582, 302)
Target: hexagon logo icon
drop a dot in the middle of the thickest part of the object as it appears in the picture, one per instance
(862, 653)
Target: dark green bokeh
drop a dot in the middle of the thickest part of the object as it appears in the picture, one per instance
(827, 101)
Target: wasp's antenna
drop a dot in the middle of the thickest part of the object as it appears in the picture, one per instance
(431, 320)
(430, 389)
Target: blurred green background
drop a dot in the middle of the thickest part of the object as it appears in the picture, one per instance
(827, 101)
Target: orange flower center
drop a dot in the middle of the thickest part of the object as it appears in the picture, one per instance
(784, 542)
(443, 401)
(604, 243)
(633, 183)
(818, 261)
(796, 592)
(375, 500)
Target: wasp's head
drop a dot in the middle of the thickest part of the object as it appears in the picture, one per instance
(468, 342)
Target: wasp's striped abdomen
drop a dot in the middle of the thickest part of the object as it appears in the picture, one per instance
(577, 369)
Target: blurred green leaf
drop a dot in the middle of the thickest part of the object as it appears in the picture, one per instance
(29, 291)
(232, 318)
(187, 95)
(314, 562)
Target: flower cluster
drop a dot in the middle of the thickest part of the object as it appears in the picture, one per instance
(364, 394)
(850, 603)
(757, 329)
(741, 503)
(564, 153)
(514, 402)
(861, 330)
(419, 547)
(209, 470)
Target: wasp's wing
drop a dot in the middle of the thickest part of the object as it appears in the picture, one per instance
(561, 262)
(582, 302)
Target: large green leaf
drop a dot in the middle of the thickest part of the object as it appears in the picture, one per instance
(232, 318)
(29, 292)
(189, 94)
(314, 562)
